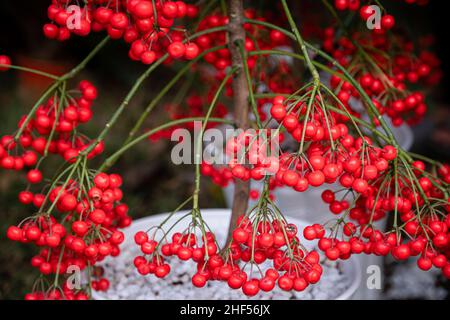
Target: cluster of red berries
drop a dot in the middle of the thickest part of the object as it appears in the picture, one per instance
(220, 176)
(50, 130)
(258, 37)
(249, 155)
(87, 231)
(396, 73)
(293, 267)
(377, 201)
(65, 293)
(426, 235)
(431, 246)
(275, 73)
(321, 164)
(314, 129)
(149, 26)
(387, 21)
(253, 155)
(184, 246)
(424, 68)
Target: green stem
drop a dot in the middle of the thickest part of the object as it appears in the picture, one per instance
(302, 44)
(30, 115)
(58, 82)
(116, 155)
(31, 70)
(86, 60)
(164, 91)
(334, 63)
(251, 93)
(199, 148)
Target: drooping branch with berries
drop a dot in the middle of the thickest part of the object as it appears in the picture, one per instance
(328, 99)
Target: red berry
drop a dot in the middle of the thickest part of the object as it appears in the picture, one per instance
(14, 233)
(140, 237)
(240, 235)
(285, 283)
(251, 288)
(267, 284)
(34, 176)
(192, 51)
(387, 22)
(170, 10)
(176, 49)
(199, 280)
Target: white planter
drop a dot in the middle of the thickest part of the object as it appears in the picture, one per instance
(218, 219)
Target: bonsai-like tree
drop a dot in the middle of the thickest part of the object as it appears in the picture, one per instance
(329, 101)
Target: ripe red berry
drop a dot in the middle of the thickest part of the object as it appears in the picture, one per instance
(101, 181)
(80, 228)
(176, 49)
(26, 197)
(387, 22)
(143, 9)
(140, 237)
(267, 284)
(309, 233)
(332, 253)
(14, 233)
(278, 112)
(170, 10)
(97, 216)
(199, 280)
(192, 51)
(316, 178)
(68, 202)
(240, 235)
(53, 240)
(424, 263)
(251, 288)
(360, 185)
(33, 233)
(285, 283)
(34, 176)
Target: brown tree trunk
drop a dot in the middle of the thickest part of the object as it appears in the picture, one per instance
(240, 101)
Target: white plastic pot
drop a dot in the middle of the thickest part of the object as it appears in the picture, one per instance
(218, 219)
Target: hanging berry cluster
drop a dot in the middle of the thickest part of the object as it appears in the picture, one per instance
(393, 67)
(321, 129)
(420, 204)
(83, 230)
(257, 37)
(50, 130)
(151, 27)
(264, 252)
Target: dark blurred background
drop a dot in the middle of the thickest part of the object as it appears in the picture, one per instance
(152, 183)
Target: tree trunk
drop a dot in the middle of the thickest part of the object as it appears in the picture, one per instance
(240, 101)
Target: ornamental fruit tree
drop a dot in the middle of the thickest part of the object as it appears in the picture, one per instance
(329, 79)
